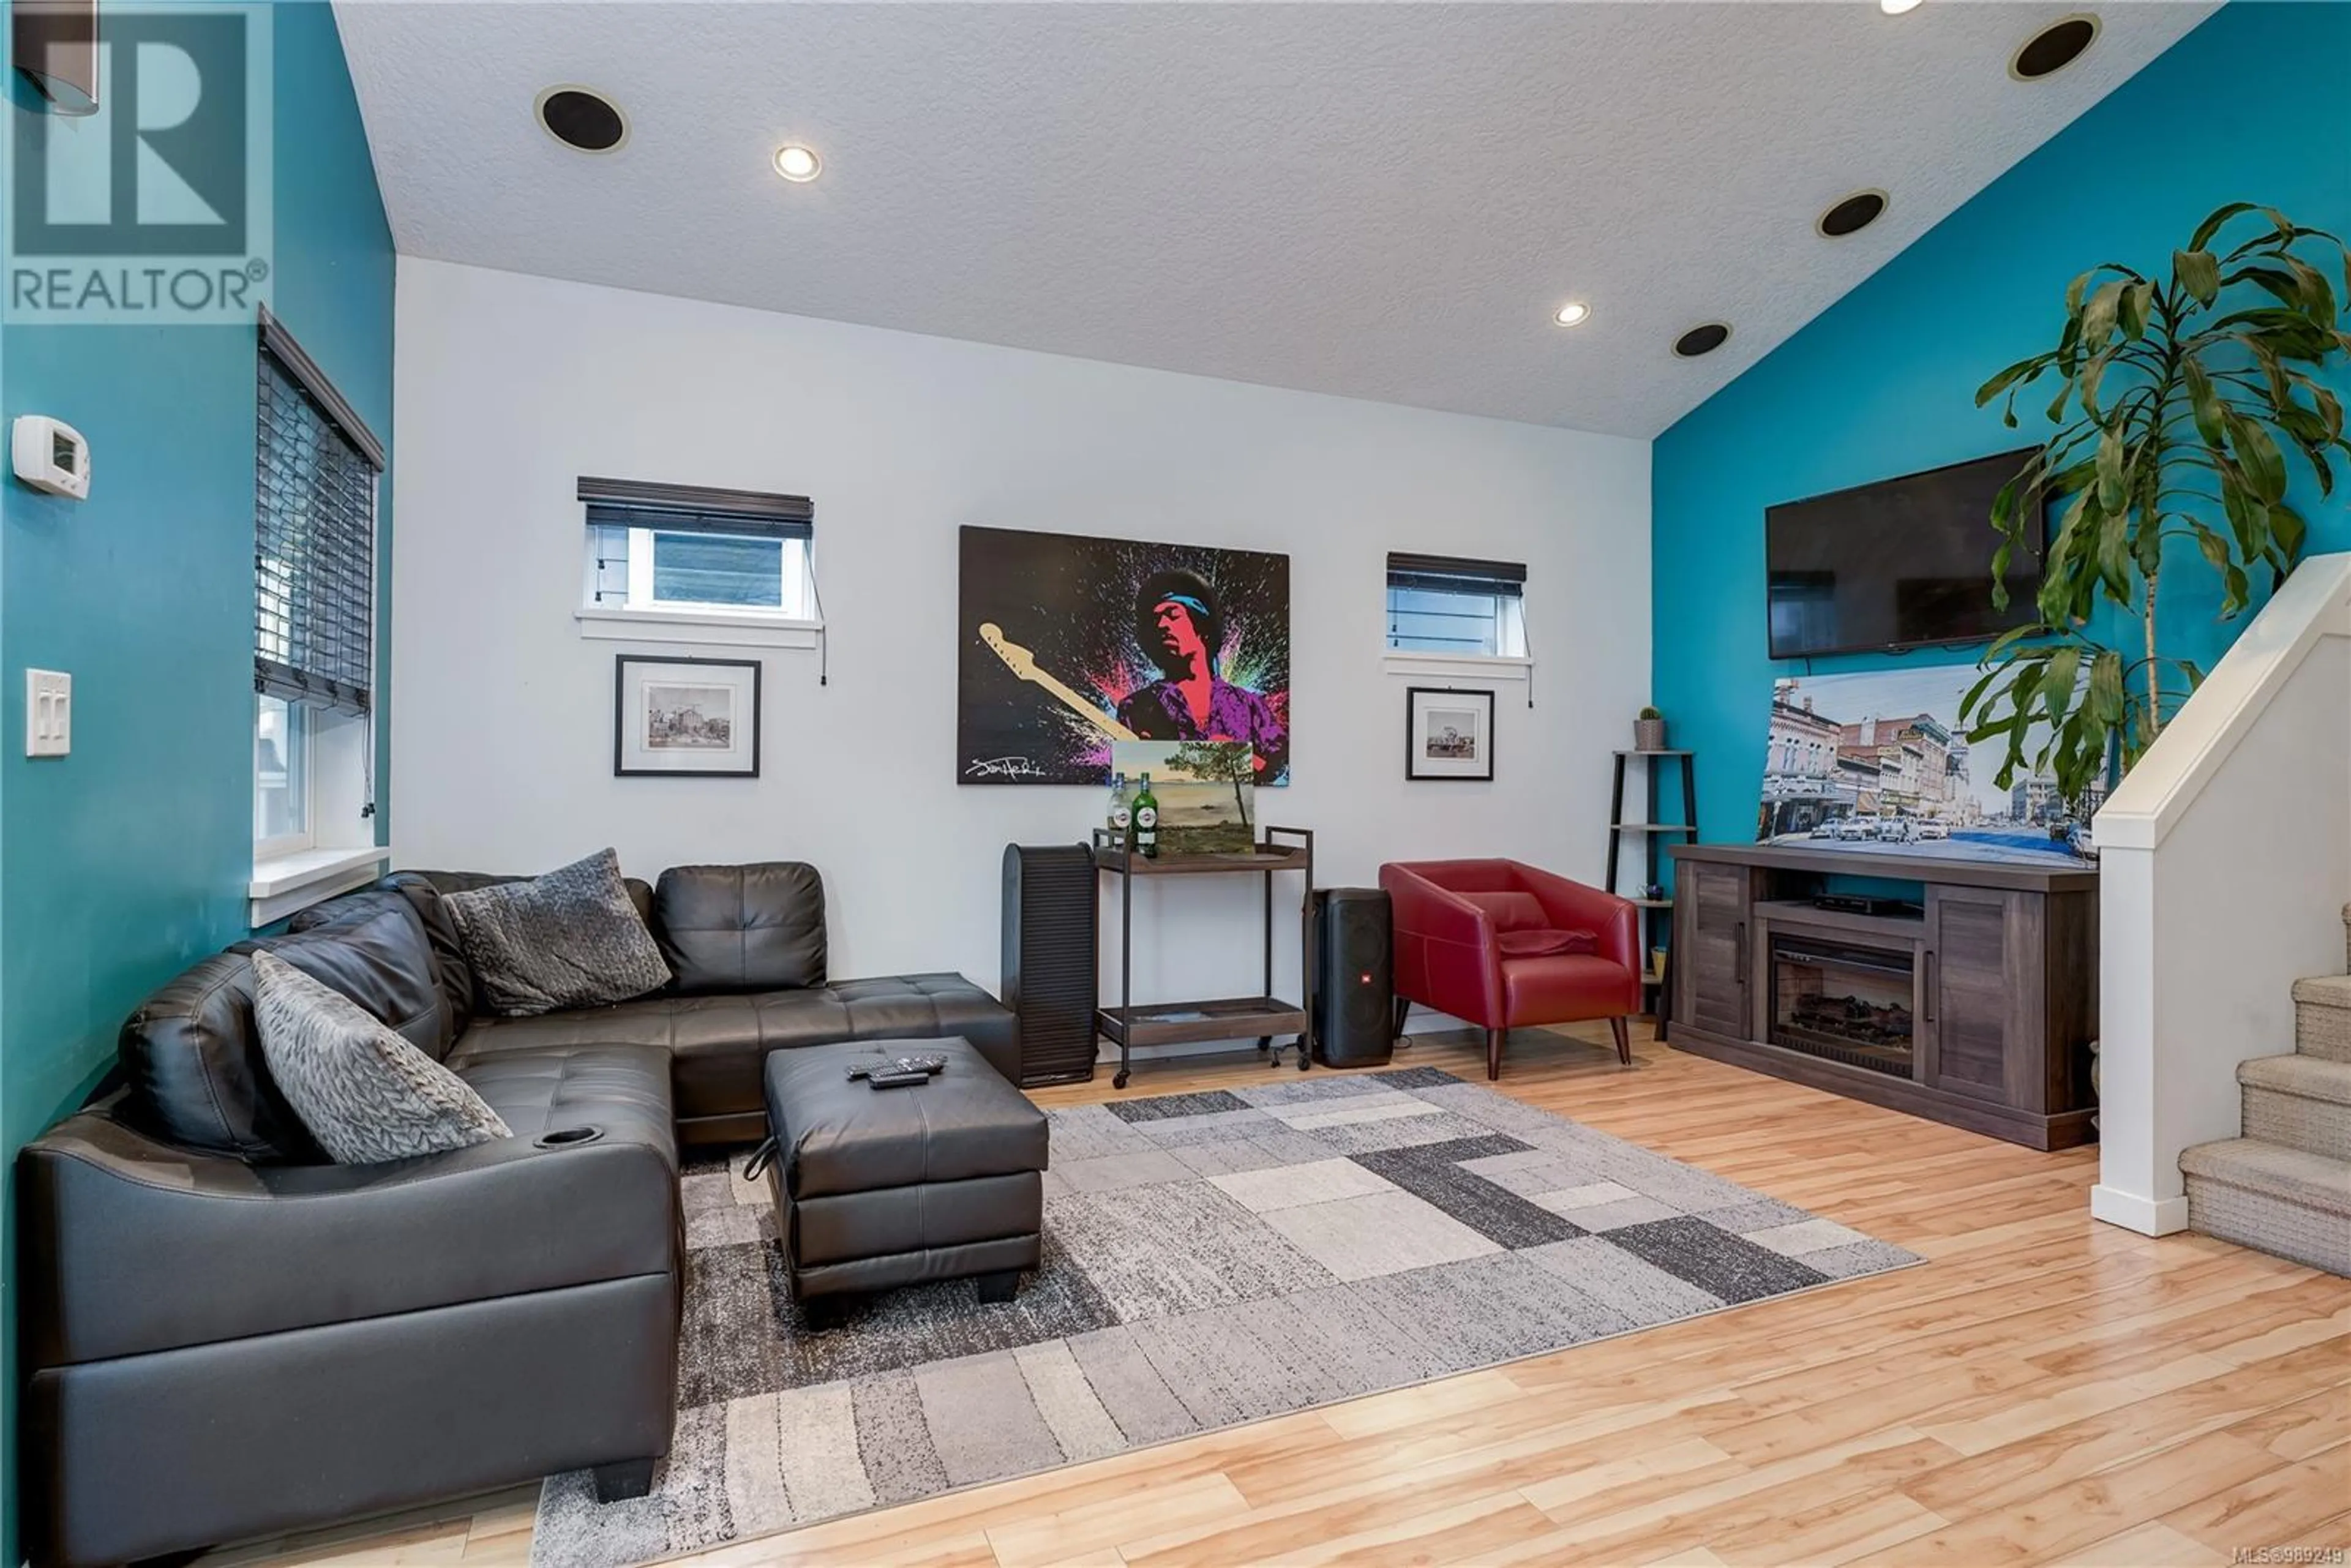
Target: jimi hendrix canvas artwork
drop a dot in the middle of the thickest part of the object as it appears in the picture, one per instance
(1070, 643)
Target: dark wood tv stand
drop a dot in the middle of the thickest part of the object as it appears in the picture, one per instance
(1976, 1007)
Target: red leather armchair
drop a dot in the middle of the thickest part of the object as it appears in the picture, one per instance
(1500, 945)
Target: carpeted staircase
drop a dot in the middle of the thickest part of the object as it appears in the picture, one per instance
(2285, 1186)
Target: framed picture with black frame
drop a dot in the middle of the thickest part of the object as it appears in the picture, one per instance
(685, 719)
(1448, 735)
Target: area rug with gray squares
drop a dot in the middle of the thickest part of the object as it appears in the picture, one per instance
(1209, 1258)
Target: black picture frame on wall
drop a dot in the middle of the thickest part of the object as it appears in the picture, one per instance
(685, 719)
(1435, 748)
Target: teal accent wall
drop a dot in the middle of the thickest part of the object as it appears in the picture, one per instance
(2246, 108)
(129, 858)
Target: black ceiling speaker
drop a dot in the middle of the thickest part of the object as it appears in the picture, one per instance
(1852, 215)
(580, 117)
(2054, 48)
(1703, 339)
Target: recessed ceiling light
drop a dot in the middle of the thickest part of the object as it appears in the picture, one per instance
(798, 163)
(581, 119)
(2054, 47)
(1897, 7)
(1574, 313)
(1702, 339)
(1851, 214)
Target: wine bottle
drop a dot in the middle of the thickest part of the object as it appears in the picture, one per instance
(1146, 821)
(1122, 815)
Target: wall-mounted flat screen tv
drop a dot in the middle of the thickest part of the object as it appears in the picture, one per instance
(1899, 564)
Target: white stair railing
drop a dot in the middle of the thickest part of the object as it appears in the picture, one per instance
(2225, 866)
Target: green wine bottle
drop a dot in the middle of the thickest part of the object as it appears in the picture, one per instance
(1146, 821)
(1122, 815)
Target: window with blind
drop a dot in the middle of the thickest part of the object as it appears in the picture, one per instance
(1450, 604)
(316, 467)
(656, 548)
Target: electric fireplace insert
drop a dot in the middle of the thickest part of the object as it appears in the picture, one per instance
(1844, 1002)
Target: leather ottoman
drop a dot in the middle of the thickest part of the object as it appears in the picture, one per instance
(877, 1188)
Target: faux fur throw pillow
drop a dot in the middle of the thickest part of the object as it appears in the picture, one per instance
(366, 1094)
(569, 939)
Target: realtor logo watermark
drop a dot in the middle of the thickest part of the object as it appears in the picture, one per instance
(156, 208)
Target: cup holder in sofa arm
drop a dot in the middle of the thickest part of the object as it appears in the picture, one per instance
(567, 1138)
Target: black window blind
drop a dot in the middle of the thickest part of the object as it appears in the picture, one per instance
(315, 474)
(695, 509)
(1455, 574)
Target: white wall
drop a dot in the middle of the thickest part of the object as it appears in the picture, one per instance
(509, 388)
(2225, 867)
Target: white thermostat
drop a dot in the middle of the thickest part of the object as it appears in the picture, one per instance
(51, 455)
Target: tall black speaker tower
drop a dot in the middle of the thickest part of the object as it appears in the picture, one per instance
(1050, 974)
(1355, 976)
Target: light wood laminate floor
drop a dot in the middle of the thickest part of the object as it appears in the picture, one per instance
(2047, 1389)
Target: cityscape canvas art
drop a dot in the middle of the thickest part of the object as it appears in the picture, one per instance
(1448, 734)
(698, 717)
(1878, 761)
(1070, 645)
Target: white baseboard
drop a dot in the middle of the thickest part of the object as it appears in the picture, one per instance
(2148, 1216)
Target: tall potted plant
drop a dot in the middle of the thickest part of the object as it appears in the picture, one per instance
(2197, 397)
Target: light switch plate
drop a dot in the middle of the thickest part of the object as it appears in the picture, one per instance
(48, 712)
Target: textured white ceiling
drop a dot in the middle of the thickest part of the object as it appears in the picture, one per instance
(1381, 201)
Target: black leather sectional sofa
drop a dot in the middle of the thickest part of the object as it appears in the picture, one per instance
(225, 1336)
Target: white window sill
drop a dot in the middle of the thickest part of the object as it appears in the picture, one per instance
(708, 626)
(1459, 666)
(284, 884)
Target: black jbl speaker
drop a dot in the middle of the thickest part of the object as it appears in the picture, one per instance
(1355, 976)
(1049, 975)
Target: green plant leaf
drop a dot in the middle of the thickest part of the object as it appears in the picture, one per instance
(2258, 456)
(2204, 403)
(2106, 694)
(2130, 310)
(2099, 312)
(2022, 371)
(2199, 272)
(2115, 556)
(2068, 480)
(2214, 547)
(2112, 457)
(2237, 505)
(2086, 383)
(2275, 281)
(2287, 527)
(2195, 673)
(2212, 225)
(2318, 294)
(1976, 692)
(2057, 678)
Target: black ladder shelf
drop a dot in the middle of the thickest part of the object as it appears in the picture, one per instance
(1657, 913)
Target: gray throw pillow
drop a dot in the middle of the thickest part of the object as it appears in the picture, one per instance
(571, 938)
(366, 1094)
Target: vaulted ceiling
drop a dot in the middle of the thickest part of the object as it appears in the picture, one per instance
(1381, 201)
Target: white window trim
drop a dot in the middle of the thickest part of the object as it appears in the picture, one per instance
(645, 619)
(286, 844)
(1457, 666)
(715, 627)
(284, 884)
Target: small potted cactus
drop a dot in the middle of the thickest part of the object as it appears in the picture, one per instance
(1649, 730)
